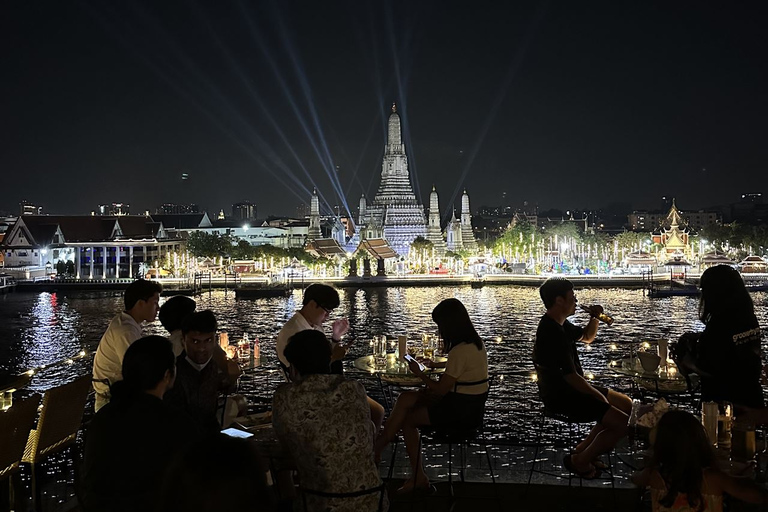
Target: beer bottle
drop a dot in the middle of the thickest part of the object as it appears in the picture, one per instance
(606, 319)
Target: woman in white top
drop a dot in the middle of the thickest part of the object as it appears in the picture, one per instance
(454, 403)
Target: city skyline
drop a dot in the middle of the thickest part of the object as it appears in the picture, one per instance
(558, 104)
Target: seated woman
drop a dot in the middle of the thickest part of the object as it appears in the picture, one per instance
(455, 402)
(683, 475)
(727, 353)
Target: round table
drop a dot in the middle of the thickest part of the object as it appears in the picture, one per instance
(395, 372)
(661, 380)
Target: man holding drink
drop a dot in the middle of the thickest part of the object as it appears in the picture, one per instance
(562, 386)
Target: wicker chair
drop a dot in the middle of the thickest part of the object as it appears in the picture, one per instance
(57, 426)
(15, 425)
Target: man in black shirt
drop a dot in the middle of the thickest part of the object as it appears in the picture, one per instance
(562, 385)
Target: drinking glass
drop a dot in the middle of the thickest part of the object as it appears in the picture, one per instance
(426, 340)
(429, 348)
(380, 354)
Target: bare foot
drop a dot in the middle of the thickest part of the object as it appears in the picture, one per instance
(581, 467)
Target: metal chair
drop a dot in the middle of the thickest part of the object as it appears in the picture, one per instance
(57, 427)
(15, 425)
(572, 429)
(461, 438)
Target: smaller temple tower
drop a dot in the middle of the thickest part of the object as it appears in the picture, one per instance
(674, 238)
(453, 234)
(314, 218)
(434, 233)
(361, 213)
(467, 235)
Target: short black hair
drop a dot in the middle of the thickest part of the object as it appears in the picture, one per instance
(146, 361)
(174, 310)
(553, 288)
(324, 296)
(309, 352)
(201, 321)
(140, 289)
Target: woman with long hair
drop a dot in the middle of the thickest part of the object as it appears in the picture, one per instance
(683, 474)
(455, 402)
(729, 352)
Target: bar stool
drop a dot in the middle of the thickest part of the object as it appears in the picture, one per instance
(546, 416)
(461, 438)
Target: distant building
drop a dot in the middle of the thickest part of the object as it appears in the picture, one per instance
(653, 220)
(113, 209)
(749, 209)
(176, 209)
(244, 211)
(100, 247)
(26, 208)
(184, 220)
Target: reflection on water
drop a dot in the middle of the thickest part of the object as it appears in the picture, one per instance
(40, 329)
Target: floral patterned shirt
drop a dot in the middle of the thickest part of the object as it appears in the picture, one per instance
(324, 422)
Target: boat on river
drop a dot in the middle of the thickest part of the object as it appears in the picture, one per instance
(7, 283)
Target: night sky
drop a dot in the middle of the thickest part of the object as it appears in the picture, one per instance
(565, 104)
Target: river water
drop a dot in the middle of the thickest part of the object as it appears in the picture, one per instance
(47, 328)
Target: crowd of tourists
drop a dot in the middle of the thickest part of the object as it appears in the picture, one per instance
(161, 403)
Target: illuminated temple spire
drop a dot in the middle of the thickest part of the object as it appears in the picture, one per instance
(434, 233)
(394, 213)
(314, 218)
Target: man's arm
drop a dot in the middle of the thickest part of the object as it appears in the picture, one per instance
(590, 330)
(578, 383)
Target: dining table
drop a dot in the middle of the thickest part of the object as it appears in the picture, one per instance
(665, 379)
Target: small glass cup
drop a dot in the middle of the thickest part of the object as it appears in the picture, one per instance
(429, 349)
(380, 351)
(223, 340)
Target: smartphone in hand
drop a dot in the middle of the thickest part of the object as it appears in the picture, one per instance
(409, 358)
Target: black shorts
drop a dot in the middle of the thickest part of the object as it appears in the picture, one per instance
(457, 411)
(580, 407)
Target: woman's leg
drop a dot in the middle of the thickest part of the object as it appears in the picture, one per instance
(418, 417)
(405, 402)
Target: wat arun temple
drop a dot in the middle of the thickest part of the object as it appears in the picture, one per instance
(395, 215)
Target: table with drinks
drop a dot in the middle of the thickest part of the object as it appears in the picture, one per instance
(654, 371)
(387, 361)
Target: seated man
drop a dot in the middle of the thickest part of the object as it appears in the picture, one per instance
(319, 301)
(200, 376)
(562, 386)
(133, 438)
(141, 299)
(172, 313)
(324, 421)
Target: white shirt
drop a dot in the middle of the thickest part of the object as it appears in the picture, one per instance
(108, 361)
(467, 363)
(297, 323)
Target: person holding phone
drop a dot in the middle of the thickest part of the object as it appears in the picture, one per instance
(455, 402)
